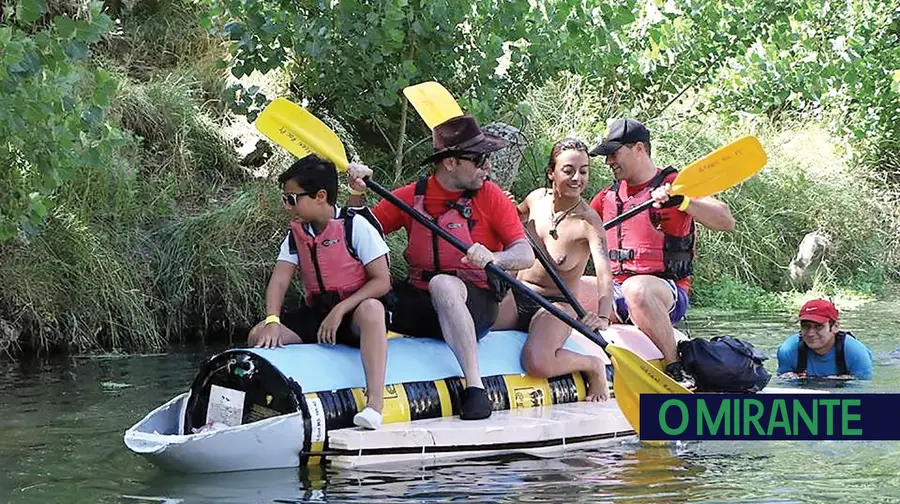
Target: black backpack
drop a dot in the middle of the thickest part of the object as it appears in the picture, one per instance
(724, 364)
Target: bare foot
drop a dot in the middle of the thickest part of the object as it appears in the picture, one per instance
(598, 389)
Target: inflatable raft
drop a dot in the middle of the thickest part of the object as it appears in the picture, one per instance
(265, 409)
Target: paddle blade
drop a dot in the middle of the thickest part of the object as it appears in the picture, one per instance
(722, 169)
(301, 133)
(433, 102)
(635, 376)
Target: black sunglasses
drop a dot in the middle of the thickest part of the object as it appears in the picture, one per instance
(291, 198)
(478, 159)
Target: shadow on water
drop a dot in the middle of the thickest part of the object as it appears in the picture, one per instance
(63, 422)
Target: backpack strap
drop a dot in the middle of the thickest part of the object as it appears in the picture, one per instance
(421, 185)
(802, 349)
(657, 180)
(839, 341)
(347, 215)
(292, 244)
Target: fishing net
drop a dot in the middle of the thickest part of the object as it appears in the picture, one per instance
(506, 161)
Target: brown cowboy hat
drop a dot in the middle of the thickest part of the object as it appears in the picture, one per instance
(461, 135)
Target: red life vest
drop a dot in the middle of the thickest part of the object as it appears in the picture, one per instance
(638, 246)
(429, 255)
(328, 269)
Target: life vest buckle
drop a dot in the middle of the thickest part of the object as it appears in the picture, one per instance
(464, 210)
(621, 255)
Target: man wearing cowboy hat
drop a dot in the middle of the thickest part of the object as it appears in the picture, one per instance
(821, 348)
(448, 294)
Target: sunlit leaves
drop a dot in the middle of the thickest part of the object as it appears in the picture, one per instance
(52, 110)
(352, 57)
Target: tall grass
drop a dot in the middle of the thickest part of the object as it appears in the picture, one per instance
(167, 240)
(80, 283)
(566, 107)
(211, 268)
(177, 135)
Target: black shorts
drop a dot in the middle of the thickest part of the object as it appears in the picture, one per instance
(526, 308)
(414, 315)
(305, 321)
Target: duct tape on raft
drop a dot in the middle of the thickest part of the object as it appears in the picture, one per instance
(325, 367)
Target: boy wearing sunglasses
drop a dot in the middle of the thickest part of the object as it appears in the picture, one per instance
(343, 263)
(448, 294)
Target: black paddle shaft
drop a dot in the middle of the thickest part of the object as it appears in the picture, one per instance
(491, 267)
(627, 215)
(674, 200)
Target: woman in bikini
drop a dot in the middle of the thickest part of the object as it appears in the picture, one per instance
(572, 233)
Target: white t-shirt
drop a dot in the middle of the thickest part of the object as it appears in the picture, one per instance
(367, 242)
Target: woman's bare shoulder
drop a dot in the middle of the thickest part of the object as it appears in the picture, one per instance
(534, 196)
(590, 217)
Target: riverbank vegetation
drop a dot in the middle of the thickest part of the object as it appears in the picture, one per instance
(139, 206)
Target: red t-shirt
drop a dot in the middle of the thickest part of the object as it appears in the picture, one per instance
(672, 221)
(497, 223)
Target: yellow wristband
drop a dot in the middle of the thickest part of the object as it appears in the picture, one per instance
(354, 192)
(684, 204)
(272, 319)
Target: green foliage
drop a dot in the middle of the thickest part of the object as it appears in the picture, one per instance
(211, 269)
(180, 138)
(336, 53)
(821, 57)
(52, 108)
(729, 293)
(78, 285)
(806, 186)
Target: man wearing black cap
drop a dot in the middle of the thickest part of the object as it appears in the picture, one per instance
(652, 253)
(448, 294)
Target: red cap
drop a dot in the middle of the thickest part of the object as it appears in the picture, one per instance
(818, 311)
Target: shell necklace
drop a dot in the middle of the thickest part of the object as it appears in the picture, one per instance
(557, 220)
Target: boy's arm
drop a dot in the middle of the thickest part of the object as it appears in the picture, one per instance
(279, 283)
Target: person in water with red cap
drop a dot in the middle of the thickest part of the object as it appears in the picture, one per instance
(821, 349)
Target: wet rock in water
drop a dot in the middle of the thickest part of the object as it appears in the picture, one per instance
(809, 256)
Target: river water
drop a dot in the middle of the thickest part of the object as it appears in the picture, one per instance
(62, 423)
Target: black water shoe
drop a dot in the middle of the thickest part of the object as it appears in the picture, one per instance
(676, 371)
(476, 405)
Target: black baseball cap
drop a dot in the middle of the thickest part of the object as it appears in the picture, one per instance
(621, 132)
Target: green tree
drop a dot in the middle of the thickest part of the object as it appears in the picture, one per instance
(352, 58)
(52, 107)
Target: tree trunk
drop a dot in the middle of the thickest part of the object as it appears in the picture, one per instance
(401, 143)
